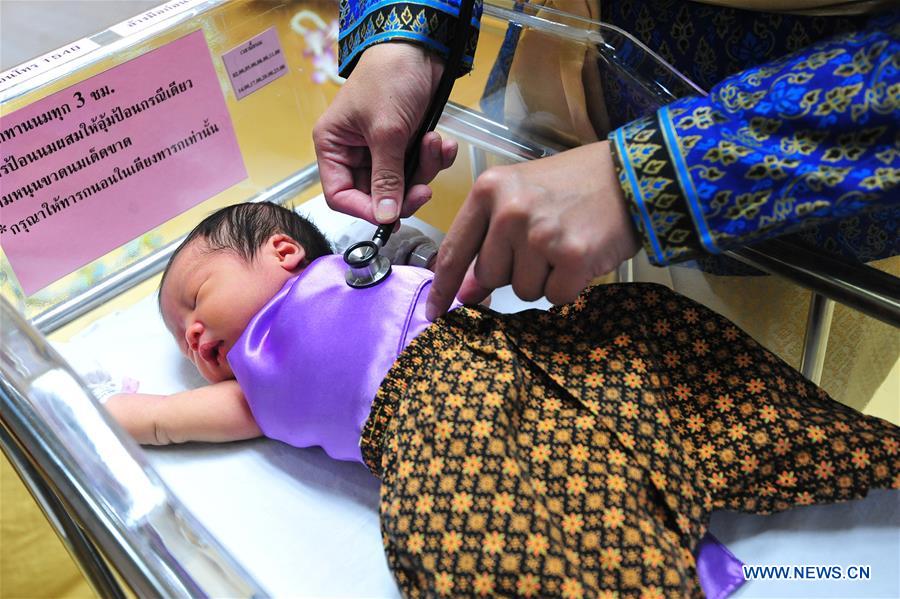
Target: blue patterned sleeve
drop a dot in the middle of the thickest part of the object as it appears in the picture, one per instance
(810, 138)
(429, 23)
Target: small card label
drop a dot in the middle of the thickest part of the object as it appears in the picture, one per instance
(255, 63)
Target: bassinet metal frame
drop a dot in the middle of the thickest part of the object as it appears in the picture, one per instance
(117, 517)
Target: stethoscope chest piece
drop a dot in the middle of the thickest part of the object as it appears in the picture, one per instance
(367, 266)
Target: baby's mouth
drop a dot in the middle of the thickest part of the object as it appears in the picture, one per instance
(209, 352)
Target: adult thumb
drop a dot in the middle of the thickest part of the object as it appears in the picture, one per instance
(387, 181)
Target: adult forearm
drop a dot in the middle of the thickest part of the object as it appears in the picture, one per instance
(772, 150)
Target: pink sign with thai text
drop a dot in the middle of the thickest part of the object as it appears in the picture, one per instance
(255, 63)
(99, 163)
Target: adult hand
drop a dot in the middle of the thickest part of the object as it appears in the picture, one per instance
(362, 138)
(548, 226)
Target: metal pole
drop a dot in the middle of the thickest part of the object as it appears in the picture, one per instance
(85, 553)
(477, 161)
(625, 272)
(858, 286)
(815, 342)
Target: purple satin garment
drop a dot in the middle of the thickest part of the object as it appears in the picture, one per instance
(719, 571)
(310, 362)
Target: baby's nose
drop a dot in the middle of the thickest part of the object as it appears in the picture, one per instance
(192, 335)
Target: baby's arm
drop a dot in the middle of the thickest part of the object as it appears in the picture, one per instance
(216, 413)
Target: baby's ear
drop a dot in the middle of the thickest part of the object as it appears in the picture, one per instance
(289, 253)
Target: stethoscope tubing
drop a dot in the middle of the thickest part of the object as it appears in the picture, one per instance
(367, 275)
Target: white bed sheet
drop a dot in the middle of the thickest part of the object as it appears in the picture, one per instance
(306, 525)
(855, 533)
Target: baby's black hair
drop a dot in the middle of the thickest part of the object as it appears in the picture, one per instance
(244, 228)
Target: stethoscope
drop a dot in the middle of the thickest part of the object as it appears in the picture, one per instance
(366, 267)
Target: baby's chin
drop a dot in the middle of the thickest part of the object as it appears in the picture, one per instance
(218, 375)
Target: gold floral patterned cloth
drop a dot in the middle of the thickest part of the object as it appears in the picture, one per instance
(579, 452)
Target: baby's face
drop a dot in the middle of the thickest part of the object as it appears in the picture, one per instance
(209, 298)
